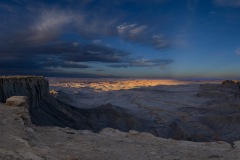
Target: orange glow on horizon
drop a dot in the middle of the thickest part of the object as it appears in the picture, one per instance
(118, 84)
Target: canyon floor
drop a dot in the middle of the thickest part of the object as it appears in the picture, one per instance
(185, 110)
(20, 139)
(160, 119)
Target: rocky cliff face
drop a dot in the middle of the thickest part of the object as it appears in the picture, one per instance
(33, 87)
(45, 110)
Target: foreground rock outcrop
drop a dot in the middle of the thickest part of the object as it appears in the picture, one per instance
(23, 141)
(33, 87)
(44, 109)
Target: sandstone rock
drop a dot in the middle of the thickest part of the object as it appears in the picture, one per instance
(20, 101)
(53, 92)
(20, 105)
(31, 86)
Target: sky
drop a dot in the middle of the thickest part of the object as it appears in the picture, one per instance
(120, 38)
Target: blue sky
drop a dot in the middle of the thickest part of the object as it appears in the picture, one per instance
(121, 38)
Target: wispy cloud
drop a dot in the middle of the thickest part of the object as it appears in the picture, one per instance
(237, 51)
(46, 24)
(229, 3)
(141, 34)
(144, 63)
(150, 63)
(97, 41)
(131, 31)
(7, 8)
(49, 25)
(68, 64)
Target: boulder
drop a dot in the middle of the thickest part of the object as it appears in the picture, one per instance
(19, 101)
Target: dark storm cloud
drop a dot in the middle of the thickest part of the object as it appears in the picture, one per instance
(139, 1)
(53, 63)
(55, 73)
(73, 65)
(18, 63)
(66, 55)
(96, 53)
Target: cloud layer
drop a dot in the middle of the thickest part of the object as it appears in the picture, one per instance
(34, 37)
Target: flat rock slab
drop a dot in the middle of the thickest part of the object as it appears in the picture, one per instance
(19, 101)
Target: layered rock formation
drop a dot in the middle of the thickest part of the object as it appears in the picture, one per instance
(217, 118)
(33, 87)
(45, 110)
(194, 112)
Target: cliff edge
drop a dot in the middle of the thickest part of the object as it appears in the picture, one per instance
(44, 109)
(31, 86)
